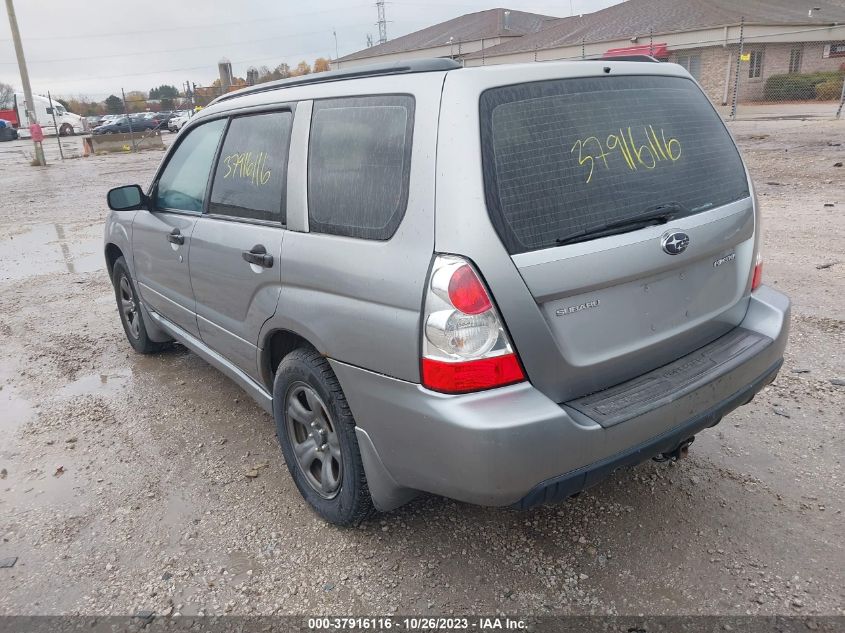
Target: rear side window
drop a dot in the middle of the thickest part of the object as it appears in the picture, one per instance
(572, 155)
(359, 162)
(250, 178)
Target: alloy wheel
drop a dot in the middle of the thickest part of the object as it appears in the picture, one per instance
(314, 439)
(129, 307)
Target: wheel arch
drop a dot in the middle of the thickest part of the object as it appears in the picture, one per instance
(112, 253)
(278, 343)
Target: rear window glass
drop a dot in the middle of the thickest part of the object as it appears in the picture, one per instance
(572, 155)
(359, 164)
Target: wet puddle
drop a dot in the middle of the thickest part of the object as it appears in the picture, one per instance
(46, 248)
(15, 409)
(99, 384)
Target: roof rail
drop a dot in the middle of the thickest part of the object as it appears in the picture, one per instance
(628, 58)
(371, 70)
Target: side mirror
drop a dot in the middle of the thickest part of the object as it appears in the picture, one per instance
(126, 198)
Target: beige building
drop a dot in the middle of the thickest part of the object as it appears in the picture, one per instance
(779, 37)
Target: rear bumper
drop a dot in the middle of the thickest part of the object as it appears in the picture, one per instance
(568, 484)
(515, 446)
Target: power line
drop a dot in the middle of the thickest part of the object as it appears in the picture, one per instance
(176, 50)
(183, 28)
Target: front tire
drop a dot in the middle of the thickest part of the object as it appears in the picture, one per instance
(316, 431)
(129, 307)
(66, 130)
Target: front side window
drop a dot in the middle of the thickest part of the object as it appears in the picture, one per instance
(250, 178)
(567, 156)
(184, 180)
(359, 162)
(755, 65)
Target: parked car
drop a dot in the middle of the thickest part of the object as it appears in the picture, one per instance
(106, 118)
(122, 125)
(179, 120)
(92, 121)
(7, 132)
(497, 284)
(161, 119)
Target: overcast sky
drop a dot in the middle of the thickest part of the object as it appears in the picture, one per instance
(95, 48)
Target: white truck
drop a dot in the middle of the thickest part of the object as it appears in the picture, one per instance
(66, 122)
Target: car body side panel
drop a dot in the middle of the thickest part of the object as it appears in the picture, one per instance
(161, 267)
(233, 297)
(118, 231)
(358, 300)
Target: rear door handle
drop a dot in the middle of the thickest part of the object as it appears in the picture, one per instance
(259, 256)
(175, 237)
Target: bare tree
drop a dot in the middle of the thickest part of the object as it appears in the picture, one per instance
(6, 95)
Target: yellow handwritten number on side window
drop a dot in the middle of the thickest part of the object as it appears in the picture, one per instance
(249, 166)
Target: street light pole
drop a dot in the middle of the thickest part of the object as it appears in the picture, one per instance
(27, 90)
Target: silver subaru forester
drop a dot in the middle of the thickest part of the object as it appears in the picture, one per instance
(496, 284)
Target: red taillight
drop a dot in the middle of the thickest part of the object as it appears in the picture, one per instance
(464, 343)
(471, 375)
(466, 292)
(757, 279)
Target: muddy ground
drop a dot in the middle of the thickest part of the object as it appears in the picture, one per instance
(123, 477)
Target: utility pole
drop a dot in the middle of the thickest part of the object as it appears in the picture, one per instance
(55, 125)
(126, 113)
(27, 90)
(336, 54)
(382, 22)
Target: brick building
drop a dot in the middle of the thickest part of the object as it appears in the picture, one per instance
(779, 37)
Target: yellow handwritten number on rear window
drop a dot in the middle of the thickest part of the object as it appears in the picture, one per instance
(635, 153)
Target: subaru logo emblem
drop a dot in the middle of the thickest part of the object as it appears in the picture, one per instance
(675, 243)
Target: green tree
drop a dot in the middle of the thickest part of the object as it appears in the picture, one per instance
(163, 92)
(114, 105)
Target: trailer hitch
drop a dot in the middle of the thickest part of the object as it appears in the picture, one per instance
(677, 453)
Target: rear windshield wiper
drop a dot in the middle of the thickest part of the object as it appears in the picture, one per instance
(657, 214)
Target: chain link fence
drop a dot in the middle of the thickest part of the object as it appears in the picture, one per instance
(748, 72)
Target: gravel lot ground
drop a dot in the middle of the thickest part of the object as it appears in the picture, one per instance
(122, 477)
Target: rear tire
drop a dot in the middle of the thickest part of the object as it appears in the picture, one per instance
(316, 432)
(129, 308)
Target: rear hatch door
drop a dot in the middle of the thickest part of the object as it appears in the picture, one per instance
(625, 207)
